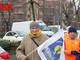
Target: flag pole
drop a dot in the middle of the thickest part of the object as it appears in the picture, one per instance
(31, 52)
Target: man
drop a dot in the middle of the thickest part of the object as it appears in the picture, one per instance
(30, 43)
(71, 44)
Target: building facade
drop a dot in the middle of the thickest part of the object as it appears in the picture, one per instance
(48, 11)
(7, 17)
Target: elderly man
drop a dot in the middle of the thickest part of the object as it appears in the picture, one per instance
(31, 42)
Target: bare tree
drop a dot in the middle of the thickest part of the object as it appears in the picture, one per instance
(67, 8)
(6, 20)
(76, 11)
(31, 2)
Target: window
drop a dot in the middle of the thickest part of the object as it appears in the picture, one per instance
(19, 16)
(9, 34)
(20, 0)
(13, 33)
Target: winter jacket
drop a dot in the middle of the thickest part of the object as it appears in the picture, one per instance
(66, 35)
(27, 46)
(71, 44)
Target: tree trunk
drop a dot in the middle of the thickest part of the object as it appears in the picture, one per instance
(33, 10)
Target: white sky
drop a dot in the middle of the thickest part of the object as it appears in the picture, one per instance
(77, 2)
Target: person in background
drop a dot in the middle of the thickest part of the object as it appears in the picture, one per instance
(30, 42)
(66, 34)
(71, 44)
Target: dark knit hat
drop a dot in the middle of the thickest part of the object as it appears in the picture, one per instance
(72, 29)
(34, 24)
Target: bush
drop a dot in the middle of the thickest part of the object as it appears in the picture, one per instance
(7, 45)
(1, 35)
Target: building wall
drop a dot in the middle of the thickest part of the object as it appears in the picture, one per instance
(47, 12)
(16, 14)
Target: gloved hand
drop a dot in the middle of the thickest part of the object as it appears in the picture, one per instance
(74, 52)
(78, 57)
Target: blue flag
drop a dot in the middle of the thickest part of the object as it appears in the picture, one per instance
(53, 48)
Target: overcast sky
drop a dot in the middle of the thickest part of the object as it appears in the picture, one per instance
(77, 2)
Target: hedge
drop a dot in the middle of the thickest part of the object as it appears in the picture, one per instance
(7, 45)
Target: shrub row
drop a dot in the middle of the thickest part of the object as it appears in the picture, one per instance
(1, 35)
(7, 45)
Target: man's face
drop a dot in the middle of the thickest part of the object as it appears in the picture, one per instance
(34, 30)
(72, 34)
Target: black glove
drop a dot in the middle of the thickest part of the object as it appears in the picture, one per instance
(78, 57)
(74, 52)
